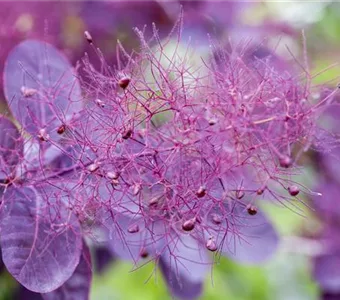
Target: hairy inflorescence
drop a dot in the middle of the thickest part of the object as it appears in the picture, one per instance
(165, 157)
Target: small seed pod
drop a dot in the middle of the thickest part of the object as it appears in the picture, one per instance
(212, 121)
(293, 190)
(154, 201)
(112, 175)
(240, 194)
(124, 82)
(217, 219)
(28, 92)
(61, 129)
(136, 189)
(189, 224)
(260, 191)
(252, 210)
(133, 228)
(43, 135)
(127, 134)
(201, 192)
(143, 253)
(211, 245)
(100, 103)
(88, 37)
(114, 182)
(285, 162)
(93, 167)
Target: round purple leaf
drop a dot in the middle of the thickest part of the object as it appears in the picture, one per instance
(255, 240)
(247, 236)
(11, 147)
(41, 88)
(40, 239)
(184, 265)
(78, 286)
(327, 272)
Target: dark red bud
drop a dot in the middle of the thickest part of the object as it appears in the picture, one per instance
(61, 129)
(293, 190)
(189, 224)
(260, 191)
(127, 134)
(201, 192)
(124, 82)
(143, 253)
(285, 162)
(252, 210)
(133, 228)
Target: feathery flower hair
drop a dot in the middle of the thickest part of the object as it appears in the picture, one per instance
(163, 158)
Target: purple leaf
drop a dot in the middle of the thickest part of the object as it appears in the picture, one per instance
(41, 88)
(327, 272)
(124, 242)
(184, 265)
(103, 258)
(245, 238)
(78, 286)
(255, 239)
(40, 239)
(22, 294)
(11, 147)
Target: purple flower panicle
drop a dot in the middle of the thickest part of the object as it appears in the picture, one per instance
(163, 158)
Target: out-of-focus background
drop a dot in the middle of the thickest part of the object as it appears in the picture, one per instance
(288, 275)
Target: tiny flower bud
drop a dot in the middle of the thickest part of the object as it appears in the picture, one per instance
(43, 135)
(93, 167)
(124, 82)
(136, 189)
(112, 175)
(217, 219)
(114, 182)
(260, 191)
(285, 161)
(252, 210)
(154, 201)
(189, 224)
(133, 228)
(293, 190)
(240, 194)
(201, 192)
(88, 37)
(27, 92)
(143, 253)
(100, 103)
(211, 245)
(212, 121)
(61, 129)
(127, 134)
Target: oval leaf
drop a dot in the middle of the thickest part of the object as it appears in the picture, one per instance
(40, 240)
(255, 240)
(41, 88)
(78, 286)
(185, 265)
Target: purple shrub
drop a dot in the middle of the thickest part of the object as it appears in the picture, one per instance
(168, 159)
